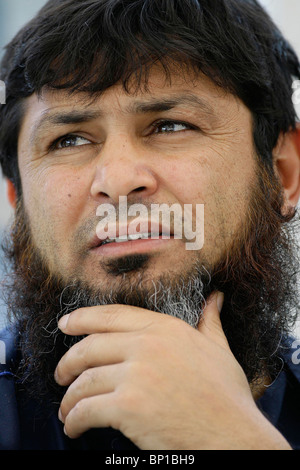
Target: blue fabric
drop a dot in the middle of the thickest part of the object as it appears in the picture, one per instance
(25, 425)
(281, 402)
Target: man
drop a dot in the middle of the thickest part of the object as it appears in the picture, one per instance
(121, 341)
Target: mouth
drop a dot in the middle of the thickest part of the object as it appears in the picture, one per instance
(134, 237)
(131, 243)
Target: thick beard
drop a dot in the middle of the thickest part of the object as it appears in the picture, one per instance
(257, 273)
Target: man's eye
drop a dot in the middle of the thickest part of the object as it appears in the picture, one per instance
(166, 127)
(71, 141)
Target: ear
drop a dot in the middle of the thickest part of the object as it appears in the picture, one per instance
(287, 165)
(11, 193)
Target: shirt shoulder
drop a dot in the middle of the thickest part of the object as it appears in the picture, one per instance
(280, 403)
(9, 420)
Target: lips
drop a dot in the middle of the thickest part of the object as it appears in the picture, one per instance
(126, 234)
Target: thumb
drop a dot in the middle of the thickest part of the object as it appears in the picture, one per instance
(210, 324)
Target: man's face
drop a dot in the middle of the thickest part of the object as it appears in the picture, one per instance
(179, 142)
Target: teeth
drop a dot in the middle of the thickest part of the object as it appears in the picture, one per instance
(136, 236)
(126, 238)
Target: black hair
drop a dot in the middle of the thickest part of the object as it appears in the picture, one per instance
(90, 45)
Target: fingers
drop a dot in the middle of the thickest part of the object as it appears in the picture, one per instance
(210, 324)
(106, 318)
(93, 351)
(211, 314)
(91, 412)
(106, 343)
(92, 382)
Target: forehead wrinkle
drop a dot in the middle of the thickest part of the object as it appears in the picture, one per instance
(167, 103)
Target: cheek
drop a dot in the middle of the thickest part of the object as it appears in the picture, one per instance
(186, 180)
(63, 195)
(223, 184)
(54, 205)
(228, 200)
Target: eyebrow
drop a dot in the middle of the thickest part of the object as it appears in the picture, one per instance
(63, 118)
(166, 104)
(138, 107)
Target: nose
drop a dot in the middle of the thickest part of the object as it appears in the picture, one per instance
(122, 170)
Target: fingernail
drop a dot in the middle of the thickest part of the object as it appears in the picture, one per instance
(220, 301)
(62, 324)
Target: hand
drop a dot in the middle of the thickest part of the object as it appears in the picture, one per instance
(162, 383)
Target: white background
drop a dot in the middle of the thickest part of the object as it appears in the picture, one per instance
(15, 13)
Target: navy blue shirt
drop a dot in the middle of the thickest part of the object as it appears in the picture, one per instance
(25, 425)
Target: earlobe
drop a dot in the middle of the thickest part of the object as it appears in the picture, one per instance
(287, 166)
(11, 193)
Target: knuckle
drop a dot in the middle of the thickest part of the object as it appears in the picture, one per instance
(79, 414)
(87, 377)
(80, 410)
(79, 386)
(85, 347)
(127, 401)
(132, 370)
(112, 317)
(151, 344)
